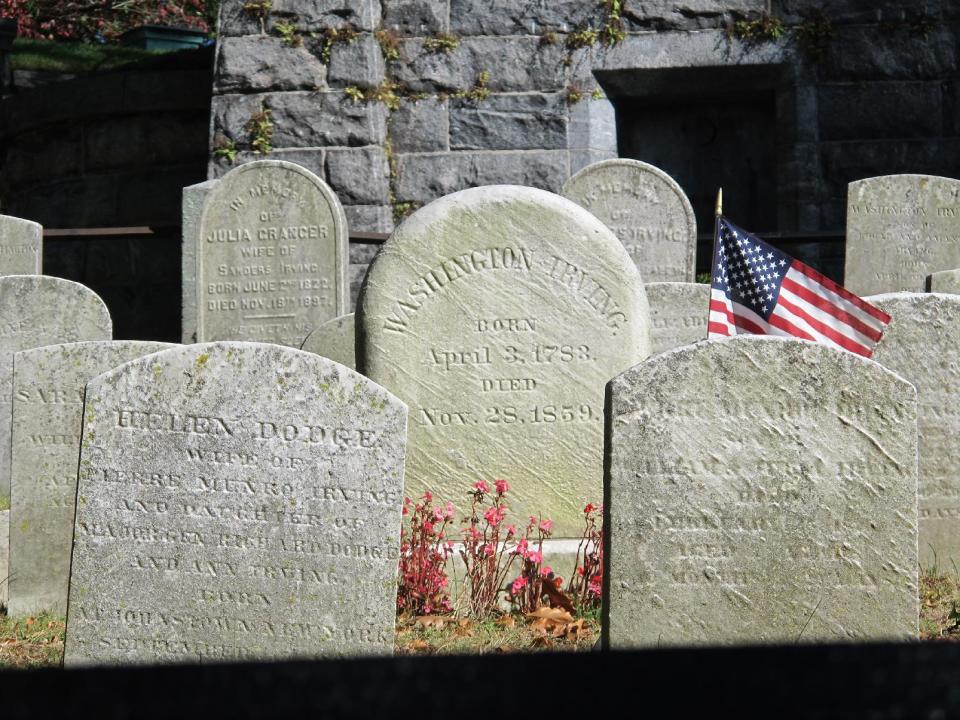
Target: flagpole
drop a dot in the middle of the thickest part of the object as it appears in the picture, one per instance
(718, 211)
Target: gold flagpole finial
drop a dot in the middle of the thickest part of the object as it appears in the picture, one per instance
(719, 210)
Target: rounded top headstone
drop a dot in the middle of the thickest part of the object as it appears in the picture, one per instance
(273, 255)
(498, 314)
(21, 246)
(900, 229)
(646, 209)
(335, 340)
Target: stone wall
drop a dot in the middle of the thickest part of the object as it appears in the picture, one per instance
(398, 102)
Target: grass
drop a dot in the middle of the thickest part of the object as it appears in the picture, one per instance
(38, 641)
(31, 642)
(73, 57)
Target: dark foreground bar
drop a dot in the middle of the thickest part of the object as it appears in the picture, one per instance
(869, 681)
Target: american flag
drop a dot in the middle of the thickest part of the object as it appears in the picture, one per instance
(757, 289)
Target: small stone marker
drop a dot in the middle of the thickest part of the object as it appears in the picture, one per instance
(761, 490)
(900, 229)
(945, 281)
(678, 313)
(922, 344)
(334, 340)
(498, 314)
(48, 385)
(21, 246)
(271, 255)
(37, 310)
(235, 501)
(646, 209)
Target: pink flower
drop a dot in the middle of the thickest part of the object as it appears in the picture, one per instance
(488, 549)
(428, 526)
(589, 508)
(428, 496)
(448, 511)
(438, 514)
(502, 486)
(481, 486)
(545, 571)
(518, 585)
(521, 548)
(546, 525)
(535, 556)
(473, 532)
(511, 530)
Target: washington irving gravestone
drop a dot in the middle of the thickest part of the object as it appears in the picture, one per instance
(900, 228)
(235, 501)
(678, 313)
(646, 209)
(48, 385)
(922, 343)
(270, 255)
(21, 246)
(498, 314)
(37, 310)
(335, 340)
(761, 490)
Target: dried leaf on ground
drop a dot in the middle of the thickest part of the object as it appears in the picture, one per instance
(435, 621)
(557, 597)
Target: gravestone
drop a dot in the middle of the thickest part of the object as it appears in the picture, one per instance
(760, 490)
(21, 246)
(270, 256)
(678, 313)
(37, 310)
(498, 314)
(335, 340)
(48, 385)
(900, 229)
(945, 281)
(646, 209)
(235, 501)
(193, 199)
(922, 344)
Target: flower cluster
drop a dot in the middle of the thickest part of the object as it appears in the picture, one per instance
(484, 549)
(424, 551)
(103, 20)
(586, 583)
(530, 585)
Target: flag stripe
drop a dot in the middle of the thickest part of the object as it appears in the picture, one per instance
(827, 319)
(715, 328)
(822, 329)
(814, 287)
(841, 291)
(826, 306)
(788, 327)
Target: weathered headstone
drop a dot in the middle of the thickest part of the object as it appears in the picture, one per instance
(48, 385)
(270, 255)
(646, 209)
(922, 343)
(37, 310)
(678, 313)
(235, 501)
(21, 246)
(335, 340)
(193, 199)
(945, 281)
(900, 229)
(498, 314)
(761, 490)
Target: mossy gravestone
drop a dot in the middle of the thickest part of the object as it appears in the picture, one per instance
(900, 229)
(235, 501)
(646, 209)
(271, 256)
(48, 385)
(678, 313)
(21, 246)
(761, 490)
(37, 310)
(498, 314)
(335, 340)
(922, 343)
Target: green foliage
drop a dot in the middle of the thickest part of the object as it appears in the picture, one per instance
(584, 38)
(71, 57)
(479, 92)
(225, 148)
(389, 43)
(573, 94)
(259, 10)
(815, 34)
(612, 31)
(260, 127)
(759, 29)
(441, 43)
(548, 38)
(332, 36)
(703, 278)
(354, 93)
(403, 209)
(597, 94)
(289, 33)
(35, 641)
